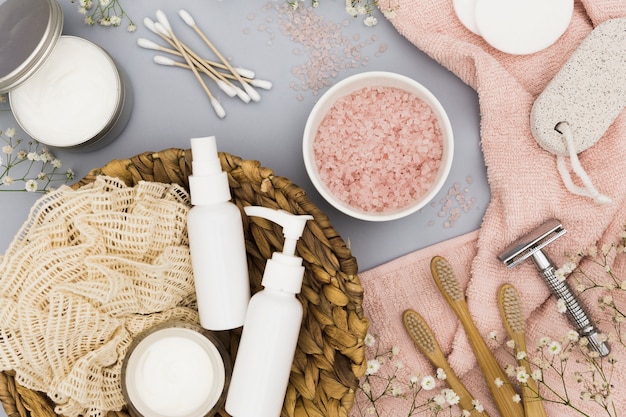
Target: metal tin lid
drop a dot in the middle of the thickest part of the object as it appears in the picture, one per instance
(29, 29)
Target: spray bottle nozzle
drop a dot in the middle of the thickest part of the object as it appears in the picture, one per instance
(292, 224)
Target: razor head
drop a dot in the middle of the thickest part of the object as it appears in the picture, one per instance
(524, 247)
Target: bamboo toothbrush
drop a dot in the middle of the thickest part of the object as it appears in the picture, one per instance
(450, 288)
(513, 318)
(424, 339)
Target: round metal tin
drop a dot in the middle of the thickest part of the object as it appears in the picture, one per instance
(29, 30)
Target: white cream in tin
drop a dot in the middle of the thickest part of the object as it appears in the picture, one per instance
(74, 98)
(176, 370)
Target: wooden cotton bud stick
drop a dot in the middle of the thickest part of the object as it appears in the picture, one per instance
(188, 19)
(229, 89)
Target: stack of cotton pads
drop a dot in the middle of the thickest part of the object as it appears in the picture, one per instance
(518, 27)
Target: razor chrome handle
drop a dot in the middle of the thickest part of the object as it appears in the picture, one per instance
(575, 311)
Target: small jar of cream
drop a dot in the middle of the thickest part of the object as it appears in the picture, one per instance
(64, 91)
(176, 370)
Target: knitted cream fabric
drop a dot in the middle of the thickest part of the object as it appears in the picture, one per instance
(89, 270)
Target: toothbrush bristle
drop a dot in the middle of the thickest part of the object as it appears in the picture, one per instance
(442, 271)
(419, 331)
(512, 308)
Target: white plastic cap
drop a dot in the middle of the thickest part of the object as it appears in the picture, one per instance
(208, 184)
(284, 271)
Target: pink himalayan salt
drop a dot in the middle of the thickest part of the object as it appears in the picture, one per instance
(379, 149)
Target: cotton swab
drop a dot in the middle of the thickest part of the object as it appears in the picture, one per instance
(148, 44)
(188, 19)
(165, 27)
(225, 87)
(159, 29)
(255, 82)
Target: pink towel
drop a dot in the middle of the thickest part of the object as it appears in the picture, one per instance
(526, 190)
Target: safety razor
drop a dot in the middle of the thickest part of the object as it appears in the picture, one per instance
(531, 246)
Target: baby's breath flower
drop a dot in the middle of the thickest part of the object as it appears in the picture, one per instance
(370, 21)
(396, 390)
(31, 186)
(499, 382)
(428, 383)
(554, 347)
(522, 376)
(38, 167)
(440, 400)
(572, 335)
(395, 350)
(516, 398)
(441, 374)
(116, 20)
(373, 366)
(561, 307)
(510, 343)
(389, 14)
(478, 406)
(493, 335)
(537, 375)
(521, 355)
(369, 340)
(451, 397)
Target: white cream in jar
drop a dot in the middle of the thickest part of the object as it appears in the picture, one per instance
(176, 370)
(73, 99)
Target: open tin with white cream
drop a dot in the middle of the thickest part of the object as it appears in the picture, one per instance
(176, 369)
(64, 91)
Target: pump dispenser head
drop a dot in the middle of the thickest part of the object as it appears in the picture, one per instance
(208, 184)
(284, 271)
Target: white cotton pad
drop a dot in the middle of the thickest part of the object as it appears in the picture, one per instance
(522, 27)
(588, 92)
(465, 11)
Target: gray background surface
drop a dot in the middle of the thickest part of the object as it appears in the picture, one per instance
(170, 107)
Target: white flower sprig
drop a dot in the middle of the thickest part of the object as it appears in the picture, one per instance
(382, 382)
(38, 168)
(104, 13)
(356, 8)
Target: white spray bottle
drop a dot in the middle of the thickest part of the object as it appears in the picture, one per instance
(270, 332)
(216, 241)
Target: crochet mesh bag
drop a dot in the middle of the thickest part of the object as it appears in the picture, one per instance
(330, 356)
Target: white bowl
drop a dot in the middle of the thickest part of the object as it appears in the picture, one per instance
(351, 85)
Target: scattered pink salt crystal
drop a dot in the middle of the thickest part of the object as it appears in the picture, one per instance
(379, 149)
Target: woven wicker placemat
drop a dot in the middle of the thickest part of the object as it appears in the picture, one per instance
(330, 357)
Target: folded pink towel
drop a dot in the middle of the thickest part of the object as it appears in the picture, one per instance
(526, 190)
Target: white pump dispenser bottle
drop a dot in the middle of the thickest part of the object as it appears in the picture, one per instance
(216, 241)
(270, 332)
